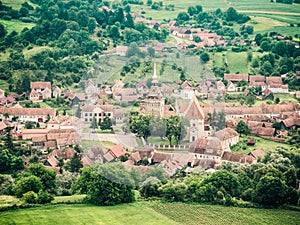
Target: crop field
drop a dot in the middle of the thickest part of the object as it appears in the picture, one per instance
(219, 215)
(148, 214)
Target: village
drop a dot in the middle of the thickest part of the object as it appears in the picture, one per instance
(56, 134)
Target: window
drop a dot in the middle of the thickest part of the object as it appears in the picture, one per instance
(108, 114)
(86, 114)
(91, 114)
(193, 138)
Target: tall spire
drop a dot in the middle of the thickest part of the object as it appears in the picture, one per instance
(154, 78)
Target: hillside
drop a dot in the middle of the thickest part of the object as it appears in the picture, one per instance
(148, 214)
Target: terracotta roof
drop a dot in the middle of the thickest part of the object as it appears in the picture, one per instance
(226, 133)
(258, 153)
(144, 151)
(42, 138)
(63, 153)
(7, 100)
(236, 77)
(240, 158)
(194, 111)
(136, 157)
(158, 157)
(35, 131)
(273, 80)
(263, 131)
(256, 78)
(28, 111)
(3, 125)
(108, 157)
(292, 121)
(40, 85)
(117, 150)
(208, 146)
(50, 144)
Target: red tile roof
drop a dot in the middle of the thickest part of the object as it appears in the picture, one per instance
(40, 85)
(117, 150)
(236, 77)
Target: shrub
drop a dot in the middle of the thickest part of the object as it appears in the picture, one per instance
(44, 197)
(30, 197)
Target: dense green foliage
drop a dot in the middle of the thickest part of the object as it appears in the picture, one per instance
(107, 184)
(71, 31)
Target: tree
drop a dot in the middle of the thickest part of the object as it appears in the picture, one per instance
(26, 184)
(242, 128)
(3, 31)
(250, 99)
(114, 32)
(270, 191)
(133, 49)
(218, 120)
(182, 16)
(231, 14)
(174, 191)
(106, 124)
(47, 176)
(106, 184)
(175, 128)
(151, 52)
(140, 125)
(224, 179)
(204, 57)
(75, 164)
(149, 187)
(158, 128)
(94, 124)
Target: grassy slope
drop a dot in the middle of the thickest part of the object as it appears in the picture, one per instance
(86, 214)
(261, 143)
(148, 213)
(17, 26)
(208, 214)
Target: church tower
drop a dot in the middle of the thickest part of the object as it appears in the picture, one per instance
(195, 115)
(154, 103)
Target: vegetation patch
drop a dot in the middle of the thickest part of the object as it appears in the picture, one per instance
(210, 214)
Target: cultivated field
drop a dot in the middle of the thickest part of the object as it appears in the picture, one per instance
(148, 214)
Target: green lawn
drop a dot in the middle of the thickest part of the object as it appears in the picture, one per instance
(67, 199)
(261, 143)
(237, 62)
(132, 214)
(88, 144)
(148, 213)
(107, 144)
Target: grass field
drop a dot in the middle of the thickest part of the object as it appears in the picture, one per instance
(261, 143)
(237, 62)
(147, 213)
(217, 215)
(85, 214)
(17, 26)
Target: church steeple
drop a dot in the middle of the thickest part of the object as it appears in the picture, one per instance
(154, 78)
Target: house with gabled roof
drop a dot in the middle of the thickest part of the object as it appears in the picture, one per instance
(209, 148)
(37, 115)
(228, 136)
(186, 90)
(40, 91)
(236, 77)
